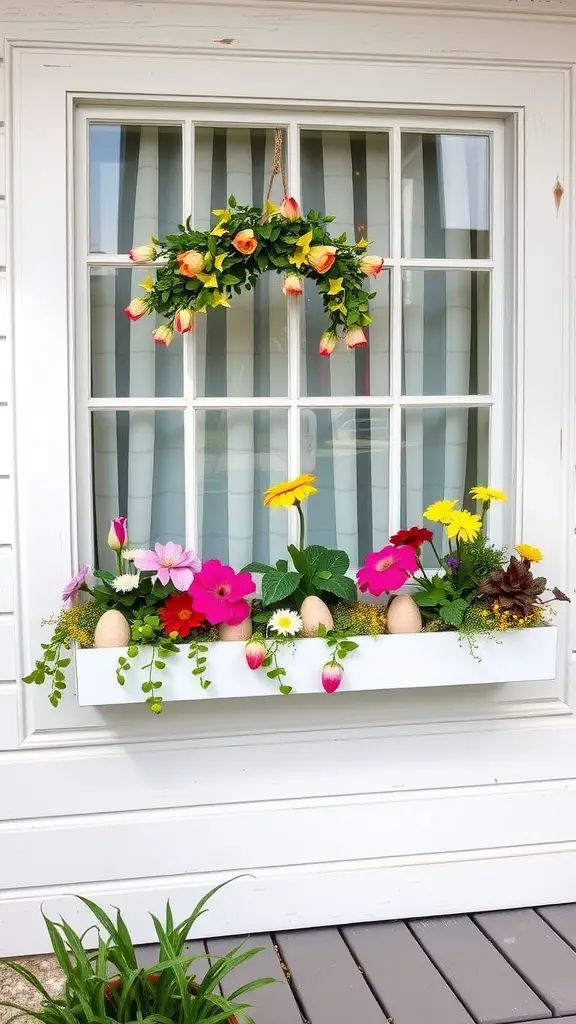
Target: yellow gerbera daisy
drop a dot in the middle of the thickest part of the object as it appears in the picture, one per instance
(290, 491)
(529, 553)
(487, 494)
(463, 525)
(440, 511)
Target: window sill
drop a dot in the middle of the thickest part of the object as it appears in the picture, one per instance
(380, 663)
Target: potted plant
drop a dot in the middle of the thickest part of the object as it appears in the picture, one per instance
(108, 985)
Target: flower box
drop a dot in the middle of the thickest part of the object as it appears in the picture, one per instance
(380, 663)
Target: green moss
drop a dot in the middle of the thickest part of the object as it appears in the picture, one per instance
(360, 619)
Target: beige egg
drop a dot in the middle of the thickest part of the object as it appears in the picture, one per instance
(241, 632)
(313, 614)
(112, 630)
(403, 615)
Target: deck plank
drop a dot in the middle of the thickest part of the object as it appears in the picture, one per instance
(562, 919)
(546, 962)
(328, 983)
(405, 980)
(489, 987)
(270, 1003)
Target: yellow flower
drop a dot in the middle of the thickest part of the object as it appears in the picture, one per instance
(147, 284)
(335, 285)
(223, 218)
(440, 511)
(463, 525)
(218, 299)
(220, 260)
(271, 208)
(302, 249)
(210, 280)
(337, 307)
(487, 494)
(529, 553)
(290, 491)
(362, 244)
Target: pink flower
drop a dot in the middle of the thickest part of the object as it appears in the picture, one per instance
(76, 583)
(292, 285)
(332, 676)
(183, 320)
(218, 592)
(163, 335)
(327, 343)
(387, 569)
(171, 563)
(255, 651)
(143, 253)
(137, 308)
(371, 265)
(118, 534)
(289, 209)
(355, 338)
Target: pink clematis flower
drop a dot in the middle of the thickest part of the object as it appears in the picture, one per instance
(218, 592)
(76, 583)
(171, 563)
(387, 569)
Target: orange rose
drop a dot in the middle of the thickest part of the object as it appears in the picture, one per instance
(245, 241)
(371, 265)
(190, 263)
(321, 257)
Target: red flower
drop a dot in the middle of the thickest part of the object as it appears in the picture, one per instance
(413, 538)
(179, 615)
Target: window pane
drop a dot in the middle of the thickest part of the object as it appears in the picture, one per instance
(444, 454)
(446, 332)
(241, 351)
(348, 452)
(138, 471)
(126, 362)
(360, 371)
(446, 196)
(135, 184)
(241, 452)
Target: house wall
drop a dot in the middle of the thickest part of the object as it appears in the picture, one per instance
(127, 809)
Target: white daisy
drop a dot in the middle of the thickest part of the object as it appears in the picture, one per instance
(123, 584)
(129, 556)
(285, 622)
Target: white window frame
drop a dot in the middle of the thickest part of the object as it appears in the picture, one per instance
(502, 353)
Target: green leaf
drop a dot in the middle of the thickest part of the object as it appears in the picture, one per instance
(452, 612)
(284, 688)
(120, 678)
(146, 687)
(348, 645)
(319, 557)
(277, 585)
(159, 665)
(64, 662)
(282, 565)
(132, 651)
(299, 559)
(341, 586)
(260, 567)
(429, 598)
(324, 574)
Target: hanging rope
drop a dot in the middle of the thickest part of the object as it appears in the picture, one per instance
(277, 165)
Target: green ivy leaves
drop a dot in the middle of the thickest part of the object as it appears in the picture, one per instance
(318, 570)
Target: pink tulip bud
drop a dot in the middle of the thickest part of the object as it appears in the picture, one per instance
(118, 535)
(327, 343)
(292, 285)
(143, 253)
(136, 309)
(255, 651)
(355, 338)
(163, 335)
(289, 209)
(183, 321)
(332, 676)
(371, 265)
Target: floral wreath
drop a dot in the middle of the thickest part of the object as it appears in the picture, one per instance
(202, 269)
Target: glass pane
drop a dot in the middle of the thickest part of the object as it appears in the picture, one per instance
(348, 452)
(126, 362)
(444, 454)
(138, 472)
(446, 196)
(446, 332)
(360, 371)
(135, 184)
(241, 452)
(241, 351)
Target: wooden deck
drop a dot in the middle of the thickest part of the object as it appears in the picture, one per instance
(489, 968)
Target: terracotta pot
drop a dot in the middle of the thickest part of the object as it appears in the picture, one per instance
(116, 983)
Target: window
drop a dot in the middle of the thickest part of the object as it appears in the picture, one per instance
(184, 440)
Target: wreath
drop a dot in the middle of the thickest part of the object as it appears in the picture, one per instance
(201, 270)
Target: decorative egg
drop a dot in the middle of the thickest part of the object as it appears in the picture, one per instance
(403, 615)
(112, 630)
(241, 632)
(315, 613)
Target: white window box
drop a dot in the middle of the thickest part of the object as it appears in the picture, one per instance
(380, 663)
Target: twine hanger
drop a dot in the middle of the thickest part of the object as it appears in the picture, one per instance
(277, 165)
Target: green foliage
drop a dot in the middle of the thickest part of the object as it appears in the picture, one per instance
(359, 619)
(274, 670)
(108, 986)
(317, 571)
(233, 271)
(73, 625)
(197, 654)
